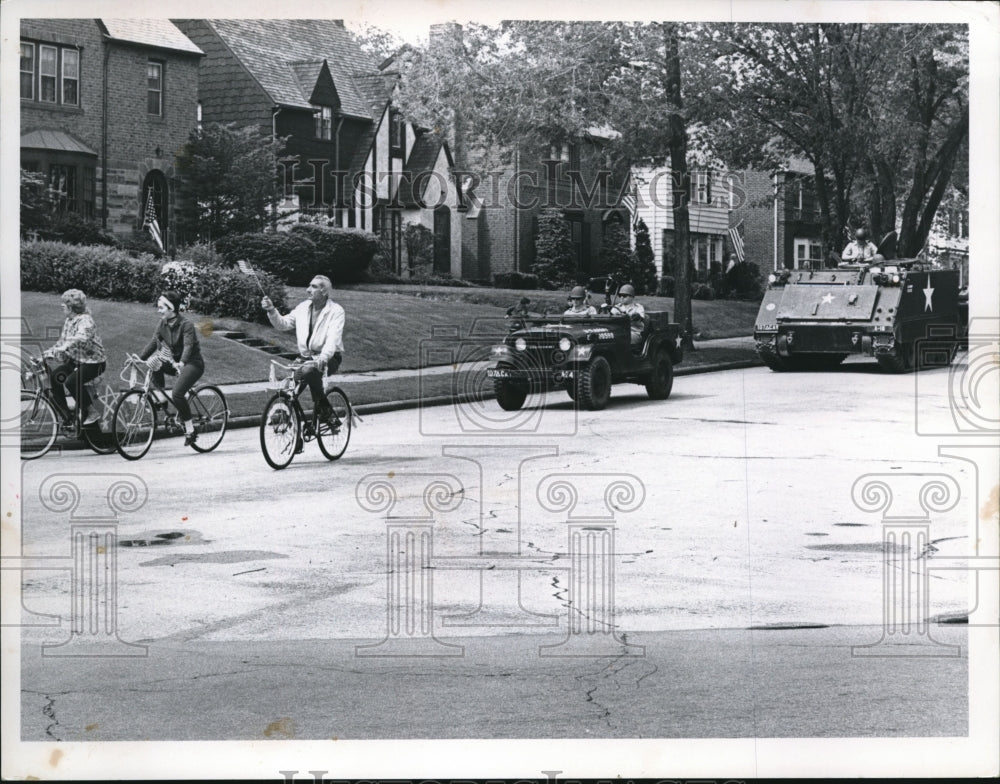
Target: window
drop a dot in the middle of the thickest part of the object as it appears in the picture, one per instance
(47, 70)
(70, 77)
(154, 88)
(701, 184)
(197, 117)
(808, 253)
(50, 74)
(27, 70)
(397, 131)
(706, 249)
(62, 187)
(324, 122)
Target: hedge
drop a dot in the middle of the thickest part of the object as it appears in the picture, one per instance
(518, 280)
(109, 273)
(295, 256)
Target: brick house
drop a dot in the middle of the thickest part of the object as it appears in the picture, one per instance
(106, 105)
(349, 153)
(778, 216)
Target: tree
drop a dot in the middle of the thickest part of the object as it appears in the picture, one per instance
(230, 182)
(616, 255)
(554, 260)
(881, 112)
(643, 260)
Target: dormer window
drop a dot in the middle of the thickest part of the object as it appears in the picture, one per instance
(324, 122)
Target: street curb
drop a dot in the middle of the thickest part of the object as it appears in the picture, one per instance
(253, 420)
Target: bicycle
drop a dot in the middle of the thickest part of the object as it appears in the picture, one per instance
(43, 417)
(135, 416)
(284, 427)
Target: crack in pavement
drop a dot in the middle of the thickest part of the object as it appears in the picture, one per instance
(49, 711)
(610, 675)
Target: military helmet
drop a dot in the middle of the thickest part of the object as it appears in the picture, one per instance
(861, 234)
(628, 290)
(578, 292)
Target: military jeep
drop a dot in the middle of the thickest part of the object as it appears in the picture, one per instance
(583, 355)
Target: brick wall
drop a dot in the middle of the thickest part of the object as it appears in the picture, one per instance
(754, 206)
(140, 142)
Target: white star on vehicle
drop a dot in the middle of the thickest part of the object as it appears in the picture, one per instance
(929, 294)
(827, 299)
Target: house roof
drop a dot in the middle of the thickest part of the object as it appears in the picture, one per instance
(160, 33)
(283, 54)
(422, 158)
(54, 140)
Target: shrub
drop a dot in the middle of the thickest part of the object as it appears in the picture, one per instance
(139, 243)
(517, 280)
(744, 282)
(295, 256)
(419, 243)
(668, 286)
(288, 257)
(201, 254)
(555, 263)
(702, 291)
(110, 273)
(342, 255)
(71, 228)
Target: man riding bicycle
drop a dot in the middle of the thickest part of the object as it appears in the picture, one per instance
(319, 329)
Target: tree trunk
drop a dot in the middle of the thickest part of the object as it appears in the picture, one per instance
(680, 181)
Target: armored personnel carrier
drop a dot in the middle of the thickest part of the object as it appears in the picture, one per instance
(904, 313)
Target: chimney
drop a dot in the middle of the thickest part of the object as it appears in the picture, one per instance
(446, 35)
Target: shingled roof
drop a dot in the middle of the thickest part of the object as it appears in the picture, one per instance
(160, 33)
(281, 54)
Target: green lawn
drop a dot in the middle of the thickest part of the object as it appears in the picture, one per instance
(387, 326)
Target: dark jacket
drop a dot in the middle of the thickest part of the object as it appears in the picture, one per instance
(180, 337)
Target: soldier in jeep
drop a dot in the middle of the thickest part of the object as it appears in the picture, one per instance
(578, 305)
(626, 305)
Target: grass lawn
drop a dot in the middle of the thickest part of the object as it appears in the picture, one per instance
(387, 326)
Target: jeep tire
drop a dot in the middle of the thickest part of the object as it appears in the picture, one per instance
(661, 377)
(510, 396)
(593, 388)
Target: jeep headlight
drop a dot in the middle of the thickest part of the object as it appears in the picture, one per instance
(772, 278)
(521, 344)
(583, 352)
(565, 343)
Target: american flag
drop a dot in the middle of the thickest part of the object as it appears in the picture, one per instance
(736, 240)
(629, 201)
(151, 223)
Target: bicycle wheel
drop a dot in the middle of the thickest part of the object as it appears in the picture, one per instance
(279, 432)
(211, 416)
(39, 425)
(334, 434)
(100, 441)
(134, 422)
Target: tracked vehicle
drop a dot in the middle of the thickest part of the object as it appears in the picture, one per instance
(904, 313)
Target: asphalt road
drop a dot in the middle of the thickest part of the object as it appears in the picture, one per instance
(694, 567)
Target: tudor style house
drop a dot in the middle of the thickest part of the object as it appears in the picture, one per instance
(348, 152)
(106, 104)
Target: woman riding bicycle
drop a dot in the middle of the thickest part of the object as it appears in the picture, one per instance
(81, 354)
(176, 338)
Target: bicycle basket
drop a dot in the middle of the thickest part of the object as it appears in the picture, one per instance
(280, 375)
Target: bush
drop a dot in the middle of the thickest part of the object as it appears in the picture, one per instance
(201, 254)
(110, 273)
(744, 282)
(342, 255)
(304, 251)
(667, 286)
(517, 280)
(555, 263)
(419, 243)
(139, 243)
(71, 228)
(702, 291)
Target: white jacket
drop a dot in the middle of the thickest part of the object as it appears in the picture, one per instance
(328, 331)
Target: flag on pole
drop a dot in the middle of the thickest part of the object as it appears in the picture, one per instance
(151, 223)
(630, 203)
(736, 240)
